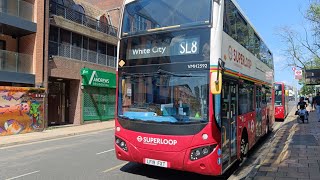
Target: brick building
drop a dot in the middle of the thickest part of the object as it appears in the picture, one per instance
(82, 60)
(55, 44)
(21, 42)
(111, 8)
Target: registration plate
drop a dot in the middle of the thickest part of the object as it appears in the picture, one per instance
(155, 162)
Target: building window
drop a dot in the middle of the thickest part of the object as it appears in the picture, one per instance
(85, 44)
(2, 45)
(102, 49)
(65, 36)
(76, 40)
(54, 34)
(92, 45)
(75, 46)
(103, 19)
(81, 9)
(59, 1)
(111, 50)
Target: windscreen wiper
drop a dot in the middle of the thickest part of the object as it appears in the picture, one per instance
(137, 75)
(160, 71)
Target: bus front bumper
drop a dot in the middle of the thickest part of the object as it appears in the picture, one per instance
(208, 165)
(279, 112)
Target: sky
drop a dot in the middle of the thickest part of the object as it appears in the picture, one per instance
(267, 17)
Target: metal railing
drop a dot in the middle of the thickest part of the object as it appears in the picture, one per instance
(16, 62)
(17, 8)
(72, 52)
(80, 18)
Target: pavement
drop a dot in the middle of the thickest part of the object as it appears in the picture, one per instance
(55, 132)
(293, 152)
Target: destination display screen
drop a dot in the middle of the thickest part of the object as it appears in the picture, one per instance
(188, 45)
(165, 47)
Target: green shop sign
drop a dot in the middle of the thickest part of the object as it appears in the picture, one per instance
(98, 78)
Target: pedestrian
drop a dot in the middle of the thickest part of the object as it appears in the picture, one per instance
(311, 102)
(307, 100)
(302, 109)
(316, 102)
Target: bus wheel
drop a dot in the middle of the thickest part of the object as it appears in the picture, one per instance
(244, 147)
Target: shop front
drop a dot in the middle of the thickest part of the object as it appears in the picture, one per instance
(99, 95)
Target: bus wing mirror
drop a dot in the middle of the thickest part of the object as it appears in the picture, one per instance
(287, 92)
(216, 78)
(216, 82)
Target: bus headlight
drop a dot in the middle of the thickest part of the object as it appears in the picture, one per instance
(121, 143)
(201, 152)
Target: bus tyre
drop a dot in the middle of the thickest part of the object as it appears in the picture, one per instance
(244, 146)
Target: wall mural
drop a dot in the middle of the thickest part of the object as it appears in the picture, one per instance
(21, 110)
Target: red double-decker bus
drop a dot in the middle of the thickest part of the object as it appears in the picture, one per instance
(194, 85)
(281, 101)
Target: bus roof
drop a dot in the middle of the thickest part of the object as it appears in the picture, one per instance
(242, 12)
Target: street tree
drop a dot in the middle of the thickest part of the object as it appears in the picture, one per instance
(303, 49)
(307, 90)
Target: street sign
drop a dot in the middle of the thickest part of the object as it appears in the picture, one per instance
(97, 78)
(298, 74)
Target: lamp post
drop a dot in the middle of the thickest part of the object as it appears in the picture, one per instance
(294, 81)
(108, 13)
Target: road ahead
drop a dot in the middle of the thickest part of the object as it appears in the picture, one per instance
(88, 156)
(76, 157)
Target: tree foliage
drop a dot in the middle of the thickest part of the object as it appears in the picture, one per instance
(307, 90)
(303, 49)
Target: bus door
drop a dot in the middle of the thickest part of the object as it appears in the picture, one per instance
(258, 111)
(229, 112)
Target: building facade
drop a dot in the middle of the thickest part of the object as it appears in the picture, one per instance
(22, 53)
(82, 51)
(22, 31)
(67, 48)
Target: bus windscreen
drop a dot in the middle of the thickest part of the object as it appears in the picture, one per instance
(152, 15)
(278, 95)
(164, 97)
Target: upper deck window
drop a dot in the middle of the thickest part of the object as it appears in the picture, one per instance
(236, 26)
(151, 15)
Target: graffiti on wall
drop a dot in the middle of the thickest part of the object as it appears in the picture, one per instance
(21, 110)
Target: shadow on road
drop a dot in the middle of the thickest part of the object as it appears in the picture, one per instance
(153, 172)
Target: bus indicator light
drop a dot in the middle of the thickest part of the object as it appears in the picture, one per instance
(219, 152)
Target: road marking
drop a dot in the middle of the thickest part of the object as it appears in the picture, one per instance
(115, 167)
(55, 139)
(105, 151)
(23, 175)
